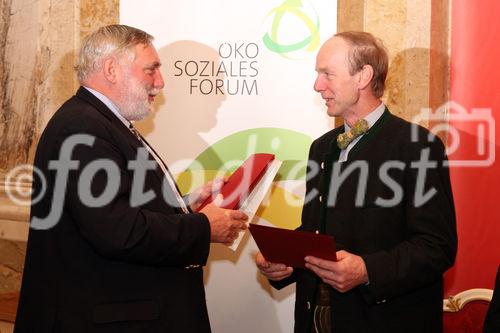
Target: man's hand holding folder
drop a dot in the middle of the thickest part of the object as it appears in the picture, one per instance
(272, 271)
(283, 249)
(244, 190)
(225, 224)
(347, 272)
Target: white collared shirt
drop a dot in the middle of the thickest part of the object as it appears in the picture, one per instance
(371, 118)
(112, 106)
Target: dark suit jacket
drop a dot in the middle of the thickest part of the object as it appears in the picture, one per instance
(115, 268)
(406, 247)
(492, 320)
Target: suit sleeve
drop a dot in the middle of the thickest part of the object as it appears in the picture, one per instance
(430, 245)
(117, 229)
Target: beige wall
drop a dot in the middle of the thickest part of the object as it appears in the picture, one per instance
(38, 40)
(416, 34)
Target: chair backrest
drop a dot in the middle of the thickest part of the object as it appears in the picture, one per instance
(465, 312)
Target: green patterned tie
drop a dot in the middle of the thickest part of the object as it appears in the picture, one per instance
(344, 139)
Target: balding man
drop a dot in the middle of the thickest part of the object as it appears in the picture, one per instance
(383, 190)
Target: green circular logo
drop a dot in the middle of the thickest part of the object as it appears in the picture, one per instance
(293, 30)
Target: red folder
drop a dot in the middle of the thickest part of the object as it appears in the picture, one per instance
(290, 247)
(242, 181)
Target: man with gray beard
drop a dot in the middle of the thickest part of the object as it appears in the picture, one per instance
(113, 246)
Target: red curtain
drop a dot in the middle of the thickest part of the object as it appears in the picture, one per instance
(475, 83)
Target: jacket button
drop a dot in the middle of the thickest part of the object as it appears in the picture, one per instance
(308, 305)
(322, 165)
(320, 198)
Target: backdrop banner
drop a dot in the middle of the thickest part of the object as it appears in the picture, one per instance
(239, 79)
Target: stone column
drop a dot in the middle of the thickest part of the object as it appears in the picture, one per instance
(38, 44)
(416, 34)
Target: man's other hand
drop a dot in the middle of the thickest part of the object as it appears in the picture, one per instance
(198, 197)
(271, 270)
(349, 271)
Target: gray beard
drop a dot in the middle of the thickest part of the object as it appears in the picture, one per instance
(134, 111)
(131, 106)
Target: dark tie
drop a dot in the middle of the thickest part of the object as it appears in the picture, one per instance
(163, 166)
(135, 132)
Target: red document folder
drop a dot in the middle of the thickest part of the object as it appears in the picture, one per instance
(242, 181)
(290, 247)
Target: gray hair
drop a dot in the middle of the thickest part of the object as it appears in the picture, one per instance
(110, 40)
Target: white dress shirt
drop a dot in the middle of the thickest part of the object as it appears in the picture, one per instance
(112, 106)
